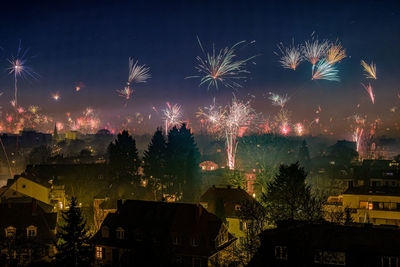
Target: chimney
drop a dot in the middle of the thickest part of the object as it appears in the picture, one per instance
(119, 204)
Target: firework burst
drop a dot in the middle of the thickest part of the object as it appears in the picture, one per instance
(325, 71)
(370, 92)
(137, 74)
(222, 67)
(290, 57)
(369, 69)
(172, 116)
(279, 100)
(335, 53)
(314, 50)
(18, 68)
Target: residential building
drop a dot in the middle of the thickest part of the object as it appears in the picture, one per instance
(376, 205)
(147, 233)
(226, 202)
(27, 233)
(326, 244)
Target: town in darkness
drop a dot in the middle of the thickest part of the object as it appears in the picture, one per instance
(199, 133)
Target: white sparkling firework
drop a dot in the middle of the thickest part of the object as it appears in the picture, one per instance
(290, 57)
(314, 50)
(222, 67)
(137, 74)
(172, 116)
(279, 100)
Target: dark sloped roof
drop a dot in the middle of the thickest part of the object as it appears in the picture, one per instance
(161, 219)
(23, 214)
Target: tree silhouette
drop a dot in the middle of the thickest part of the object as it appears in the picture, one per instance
(123, 158)
(73, 246)
(154, 159)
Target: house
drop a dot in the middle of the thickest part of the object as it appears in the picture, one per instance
(376, 205)
(327, 244)
(208, 166)
(39, 189)
(147, 233)
(226, 202)
(27, 233)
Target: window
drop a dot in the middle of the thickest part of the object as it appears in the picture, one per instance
(120, 233)
(242, 226)
(281, 253)
(178, 259)
(10, 231)
(31, 231)
(194, 242)
(329, 257)
(196, 262)
(387, 261)
(366, 205)
(105, 232)
(100, 253)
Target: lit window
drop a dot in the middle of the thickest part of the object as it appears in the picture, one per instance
(10, 231)
(242, 226)
(281, 253)
(212, 168)
(334, 258)
(120, 233)
(31, 231)
(363, 204)
(100, 253)
(105, 232)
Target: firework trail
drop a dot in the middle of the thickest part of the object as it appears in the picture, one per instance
(137, 74)
(299, 128)
(370, 92)
(290, 57)
(335, 53)
(172, 116)
(325, 71)
(222, 67)
(369, 69)
(279, 100)
(314, 50)
(19, 69)
(357, 137)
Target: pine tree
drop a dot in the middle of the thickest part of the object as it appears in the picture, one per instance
(289, 198)
(182, 161)
(123, 158)
(73, 245)
(154, 159)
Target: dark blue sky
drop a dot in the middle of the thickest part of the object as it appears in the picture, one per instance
(90, 41)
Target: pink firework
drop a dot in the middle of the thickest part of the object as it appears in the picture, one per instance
(370, 92)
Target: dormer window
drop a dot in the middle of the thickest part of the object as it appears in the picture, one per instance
(105, 232)
(120, 233)
(10, 231)
(31, 231)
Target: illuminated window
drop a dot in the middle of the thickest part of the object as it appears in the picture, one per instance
(100, 253)
(10, 231)
(363, 204)
(31, 231)
(242, 226)
(105, 232)
(281, 253)
(120, 233)
(212, 168)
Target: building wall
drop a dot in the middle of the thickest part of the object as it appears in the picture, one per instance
(31, 189)
(368, 213)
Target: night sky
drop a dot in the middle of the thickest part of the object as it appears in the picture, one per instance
(90, 42)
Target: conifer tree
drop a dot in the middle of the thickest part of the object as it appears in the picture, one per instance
(73, 245)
